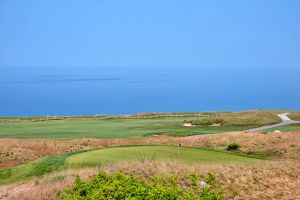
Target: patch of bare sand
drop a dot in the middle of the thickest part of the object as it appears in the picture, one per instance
(188, 124)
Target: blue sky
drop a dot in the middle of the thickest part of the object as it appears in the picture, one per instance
(156, 33)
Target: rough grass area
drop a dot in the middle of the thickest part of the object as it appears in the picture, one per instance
(142, 153)
(128, 128)
(264, 180)
(245, 118)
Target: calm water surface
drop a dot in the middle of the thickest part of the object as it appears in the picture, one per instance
(26, 91)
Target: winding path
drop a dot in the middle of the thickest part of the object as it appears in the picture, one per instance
(283, 116)
(285, 121)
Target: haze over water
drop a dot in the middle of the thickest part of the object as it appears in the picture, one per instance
(29, 91)
(91, 57)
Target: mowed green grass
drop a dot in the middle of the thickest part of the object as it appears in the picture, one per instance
(95, 158)
(110, 128)
(142, 153)
(291, 127)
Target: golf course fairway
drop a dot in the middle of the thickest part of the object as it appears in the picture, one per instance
(171, 153)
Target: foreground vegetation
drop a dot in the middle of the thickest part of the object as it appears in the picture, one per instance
(265, 180)
(120, 186)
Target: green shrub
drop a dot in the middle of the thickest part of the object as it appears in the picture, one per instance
(119, 186)
(233, 147)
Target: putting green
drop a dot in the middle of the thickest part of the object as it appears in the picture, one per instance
(186, 154)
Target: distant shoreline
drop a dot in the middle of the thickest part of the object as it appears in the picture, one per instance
(144, 114)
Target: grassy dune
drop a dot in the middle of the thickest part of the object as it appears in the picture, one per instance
(244, 118)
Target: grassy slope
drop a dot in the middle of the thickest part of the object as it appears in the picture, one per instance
(124, 128)
(189, 155)
(91, 158)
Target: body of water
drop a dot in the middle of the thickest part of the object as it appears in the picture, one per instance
(27, 91)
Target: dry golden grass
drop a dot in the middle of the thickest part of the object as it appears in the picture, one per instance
(264, 180)
(279, 145)
(14, 152)
(49, 187)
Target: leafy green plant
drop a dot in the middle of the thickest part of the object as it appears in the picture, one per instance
(211, 179)
(120, 186)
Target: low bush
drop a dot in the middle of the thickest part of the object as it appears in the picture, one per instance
(120, 186)
(232, 147)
